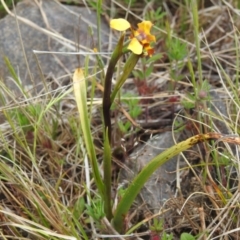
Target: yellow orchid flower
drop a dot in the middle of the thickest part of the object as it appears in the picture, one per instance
(140, 38)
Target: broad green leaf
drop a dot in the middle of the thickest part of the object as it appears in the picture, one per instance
(80, 92)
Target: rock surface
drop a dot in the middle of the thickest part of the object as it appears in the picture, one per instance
(160, 187)
(63, 24)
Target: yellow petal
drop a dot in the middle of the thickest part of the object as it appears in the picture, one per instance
(151, 38)
(135, 46)
(145, 26)
(148, 39)
(119, 24)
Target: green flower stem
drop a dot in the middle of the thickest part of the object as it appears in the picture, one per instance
(106, 105)
(107, 102)
(138, 182)
(108, 85)
(128, 68)
(107, 178)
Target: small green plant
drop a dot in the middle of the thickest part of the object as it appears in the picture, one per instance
(176, 51)
(157, 225)
(187, 236)
(157, 230)
(156, 16)
(26, 116)
(96, 210)
(200, 96)
(147, 67)
(131, 102)
(166, 236)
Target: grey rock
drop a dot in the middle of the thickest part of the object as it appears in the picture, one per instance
(159, 187)
(52, 17)
(218, 105)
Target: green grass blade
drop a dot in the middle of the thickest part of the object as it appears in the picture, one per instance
(11, 70)
(99, 6)
(194, 6)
